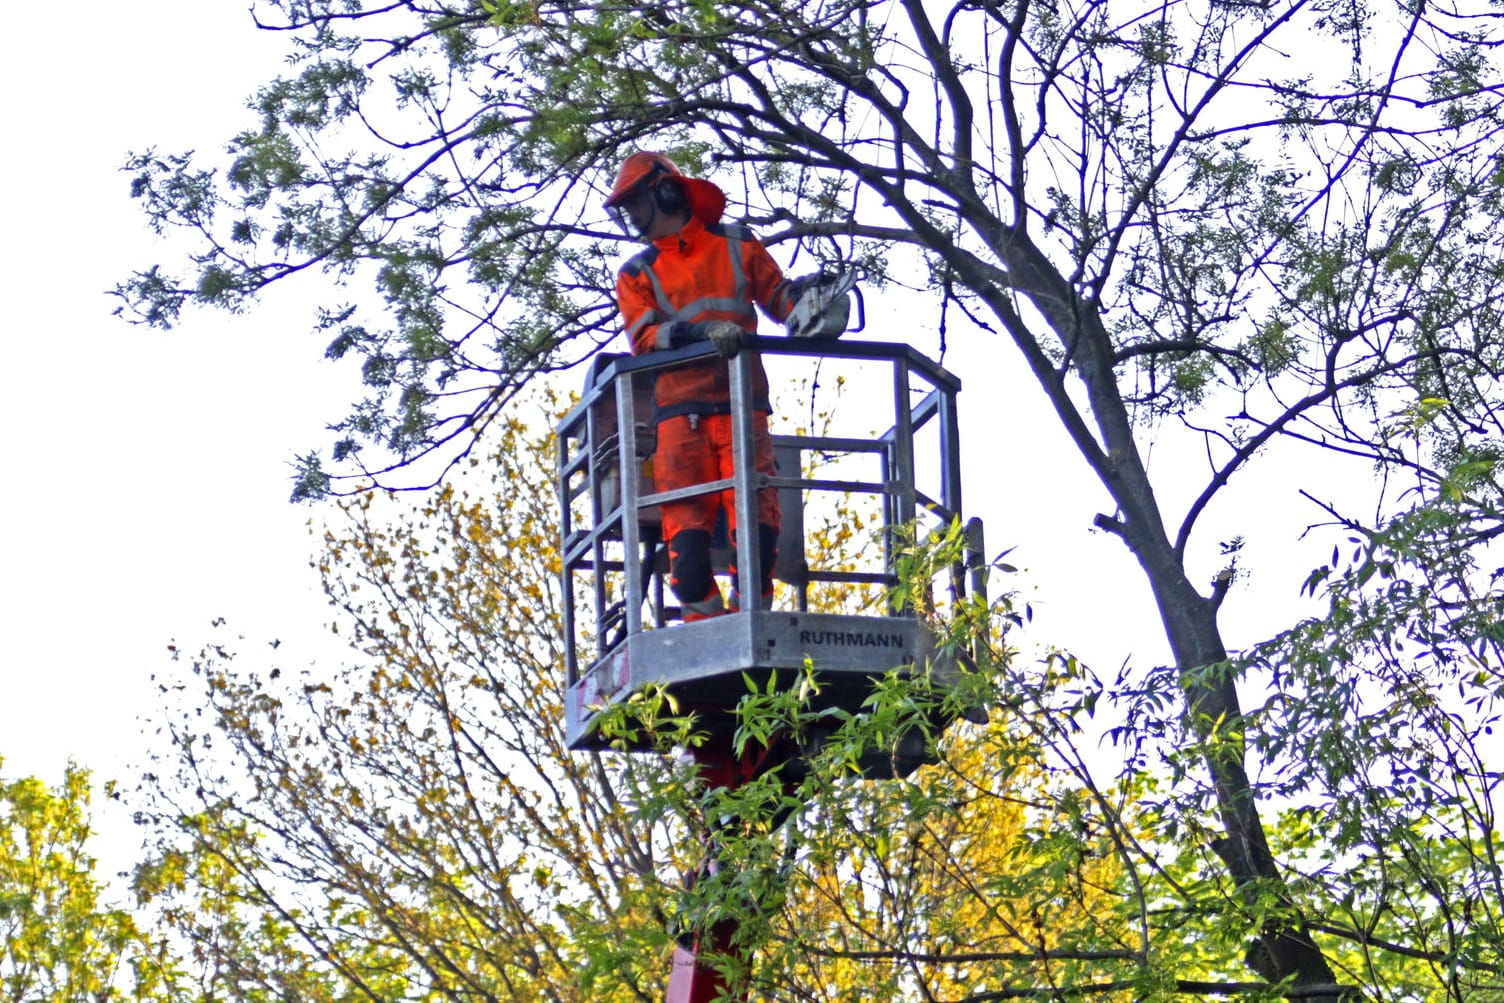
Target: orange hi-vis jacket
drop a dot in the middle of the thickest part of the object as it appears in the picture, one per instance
(711, 271)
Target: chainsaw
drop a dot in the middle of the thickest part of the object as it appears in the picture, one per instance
(823, 306)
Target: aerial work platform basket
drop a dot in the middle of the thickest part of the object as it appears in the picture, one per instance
(622, 628)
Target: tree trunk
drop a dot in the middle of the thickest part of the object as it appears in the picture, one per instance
(1281, 949)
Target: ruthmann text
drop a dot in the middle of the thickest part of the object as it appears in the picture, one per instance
(851, 638)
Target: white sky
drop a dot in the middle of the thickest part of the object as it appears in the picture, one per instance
(146, 474)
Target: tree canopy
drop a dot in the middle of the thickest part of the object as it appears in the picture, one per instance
(1266, 225)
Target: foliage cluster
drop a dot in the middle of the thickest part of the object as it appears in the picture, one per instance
(59, 941)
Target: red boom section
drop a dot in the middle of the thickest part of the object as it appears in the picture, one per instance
(694, 979)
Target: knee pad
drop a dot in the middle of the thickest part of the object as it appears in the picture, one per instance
(689, 565)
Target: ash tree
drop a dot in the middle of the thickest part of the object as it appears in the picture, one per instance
(1262, 226)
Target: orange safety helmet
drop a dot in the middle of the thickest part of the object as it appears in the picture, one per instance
(644, 171)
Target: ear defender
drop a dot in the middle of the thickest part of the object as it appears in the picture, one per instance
(669, 195)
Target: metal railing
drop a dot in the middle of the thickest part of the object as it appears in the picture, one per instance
(608, 509)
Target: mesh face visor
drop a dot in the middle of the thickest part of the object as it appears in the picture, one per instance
(623, 218)
(618, 214)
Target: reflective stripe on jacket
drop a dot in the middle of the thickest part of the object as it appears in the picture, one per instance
(714, 272)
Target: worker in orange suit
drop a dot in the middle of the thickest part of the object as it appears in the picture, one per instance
(697, 280)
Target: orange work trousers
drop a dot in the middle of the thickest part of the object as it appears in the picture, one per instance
(696, 449)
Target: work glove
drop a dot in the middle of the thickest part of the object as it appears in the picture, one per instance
(725, 336)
